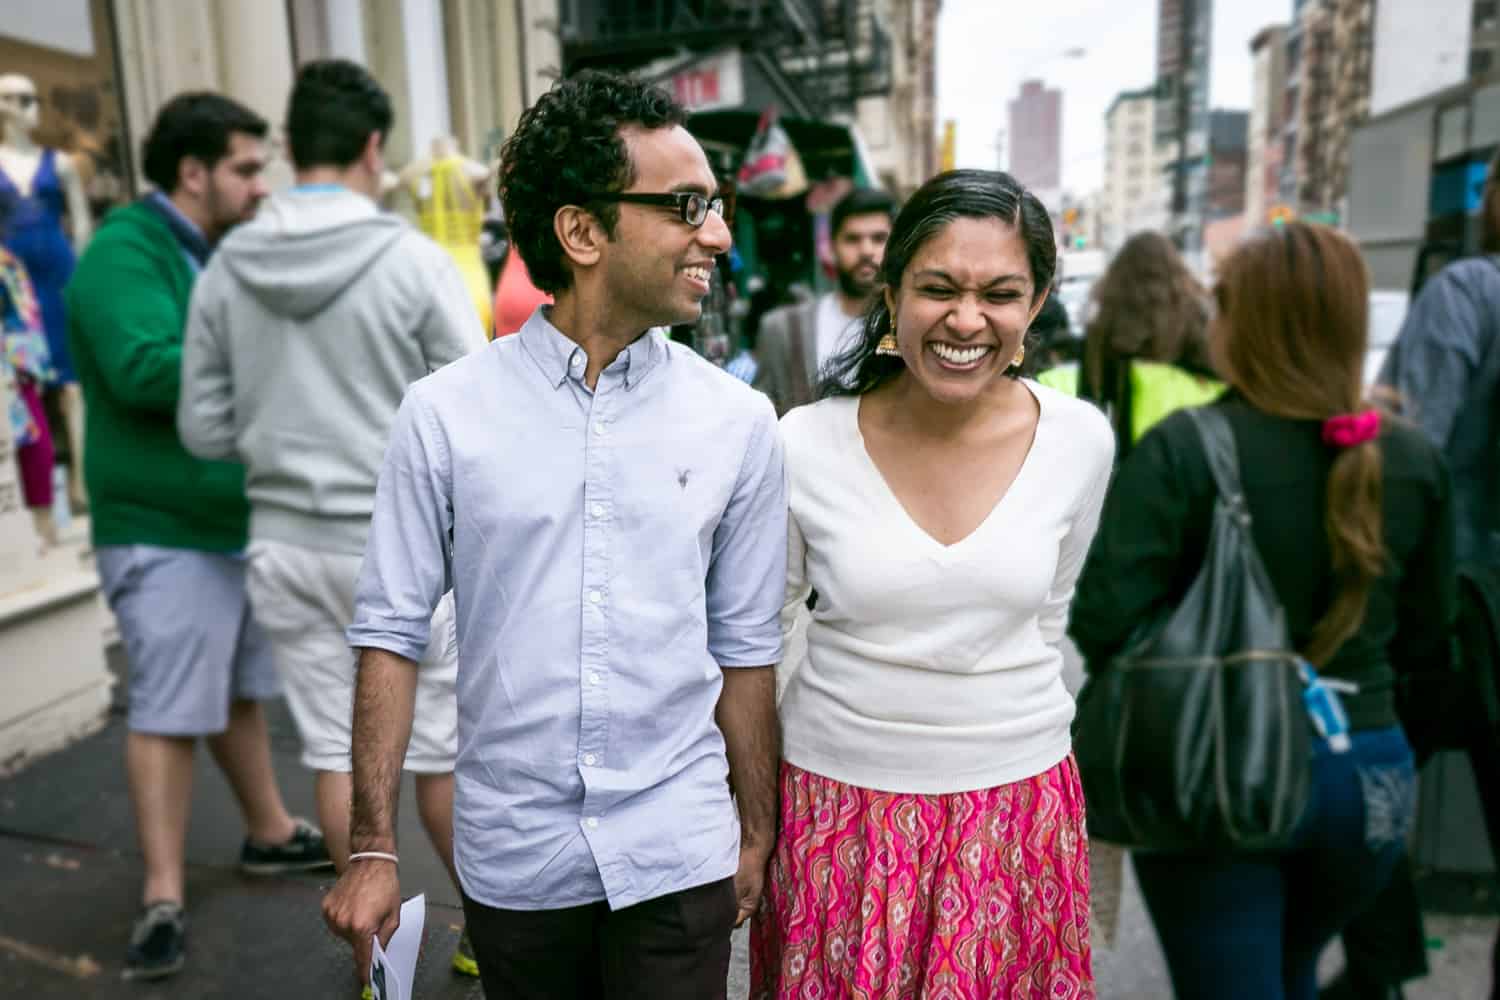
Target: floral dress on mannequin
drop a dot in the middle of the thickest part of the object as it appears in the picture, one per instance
(35, 234)
(25, 367)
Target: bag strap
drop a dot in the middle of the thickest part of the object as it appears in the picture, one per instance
(1223, 456)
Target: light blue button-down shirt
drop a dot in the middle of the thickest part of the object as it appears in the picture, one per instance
(609, 552)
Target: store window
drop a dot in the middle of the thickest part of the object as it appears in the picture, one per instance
(66, 48)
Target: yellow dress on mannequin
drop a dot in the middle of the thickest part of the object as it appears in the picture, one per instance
(451, 212)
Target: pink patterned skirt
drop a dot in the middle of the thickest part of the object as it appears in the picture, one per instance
(973, 896)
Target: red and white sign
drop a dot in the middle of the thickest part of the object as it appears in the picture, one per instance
(711, 83)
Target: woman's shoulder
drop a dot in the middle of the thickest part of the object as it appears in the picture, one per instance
(817, 423)
(1084, 425)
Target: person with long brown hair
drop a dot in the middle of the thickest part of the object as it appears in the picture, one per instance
(1146, 350)
(1352, 517)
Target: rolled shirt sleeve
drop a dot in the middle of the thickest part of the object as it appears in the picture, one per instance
(747, 574)
(408, 559)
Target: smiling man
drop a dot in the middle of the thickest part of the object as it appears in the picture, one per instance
(610, 512)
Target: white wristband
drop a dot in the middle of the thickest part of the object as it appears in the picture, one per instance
(376, 855)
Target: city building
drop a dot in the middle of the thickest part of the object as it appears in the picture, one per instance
(812, 59)
(1329, 63)
(1228, 133)
(1267, 116)
(1423, 46)
(1184, 49)
(1131, 199)
(1036, 139)
(900, 129)
(1484, 40)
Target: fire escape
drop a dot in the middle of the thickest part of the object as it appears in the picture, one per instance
(850, 58)
(834, 51)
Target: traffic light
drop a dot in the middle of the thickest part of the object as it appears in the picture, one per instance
(1280, 215)
(1070, 216)
(1080, 242)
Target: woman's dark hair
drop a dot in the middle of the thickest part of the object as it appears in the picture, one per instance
(567, 147)
(197, 125)
(1148, 307)
(957, 194)
(1290, 335)
(335, 105)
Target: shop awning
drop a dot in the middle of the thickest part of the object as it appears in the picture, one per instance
(827, 149)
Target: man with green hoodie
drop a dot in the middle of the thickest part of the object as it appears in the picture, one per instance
(302, 337)
(169, 528)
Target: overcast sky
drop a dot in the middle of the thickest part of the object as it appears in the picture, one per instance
(987, 47)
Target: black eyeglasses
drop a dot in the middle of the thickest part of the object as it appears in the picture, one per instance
(692, 208)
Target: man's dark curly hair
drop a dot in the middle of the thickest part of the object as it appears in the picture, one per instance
(567, 146)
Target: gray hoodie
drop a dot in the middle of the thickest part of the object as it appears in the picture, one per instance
(304, 331)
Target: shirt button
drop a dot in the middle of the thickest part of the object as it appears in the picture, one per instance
(597, 510)
(592, 822)
(598, 427)
(595, 597)
(593, 677)
(590, 760)
(577, 361)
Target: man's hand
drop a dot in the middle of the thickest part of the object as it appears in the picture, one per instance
(750, 880)
(365, 902)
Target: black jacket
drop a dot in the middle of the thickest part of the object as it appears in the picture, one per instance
(1154, 531)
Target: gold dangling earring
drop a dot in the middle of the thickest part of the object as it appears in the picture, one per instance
(888, 346)
(1019, 358)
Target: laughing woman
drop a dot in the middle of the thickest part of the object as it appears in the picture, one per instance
(932, 822)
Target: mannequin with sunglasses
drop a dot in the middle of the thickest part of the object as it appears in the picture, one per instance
(49, 192)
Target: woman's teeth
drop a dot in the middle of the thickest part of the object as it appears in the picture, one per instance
(957, 356)
(700, 273)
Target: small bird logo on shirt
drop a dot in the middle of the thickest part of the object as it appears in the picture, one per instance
(682, 477)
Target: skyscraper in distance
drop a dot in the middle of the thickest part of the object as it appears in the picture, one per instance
(1036, 139)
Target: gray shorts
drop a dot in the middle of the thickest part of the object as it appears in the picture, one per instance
(192, 642)
(304, 600)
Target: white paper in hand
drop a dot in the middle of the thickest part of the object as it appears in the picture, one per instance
(393, 969)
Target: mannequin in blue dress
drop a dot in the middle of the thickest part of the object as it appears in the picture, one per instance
(48, 192)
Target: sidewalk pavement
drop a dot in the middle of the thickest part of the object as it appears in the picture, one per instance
(70, 872)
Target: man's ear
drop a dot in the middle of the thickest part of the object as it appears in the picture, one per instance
(580, 235)
(373, 154)
(192, 175)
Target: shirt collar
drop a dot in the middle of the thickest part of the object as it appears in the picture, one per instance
(560, 357)
(189, 236)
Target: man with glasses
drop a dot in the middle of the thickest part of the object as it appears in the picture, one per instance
(610, 512)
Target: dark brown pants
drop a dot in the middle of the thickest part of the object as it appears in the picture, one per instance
(671, 947)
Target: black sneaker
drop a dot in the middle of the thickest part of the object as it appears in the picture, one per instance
(304, 852)
(156, 943)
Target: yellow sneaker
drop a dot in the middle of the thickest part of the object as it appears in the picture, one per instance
(367, 994)
(463, 957)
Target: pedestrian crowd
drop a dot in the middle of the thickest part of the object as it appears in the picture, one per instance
(670, 651)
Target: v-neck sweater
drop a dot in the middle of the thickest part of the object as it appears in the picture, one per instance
(930, 668)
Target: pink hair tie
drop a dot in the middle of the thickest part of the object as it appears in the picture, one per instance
(1349, 429)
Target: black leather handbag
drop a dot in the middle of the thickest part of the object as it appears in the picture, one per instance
(1196, 738)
